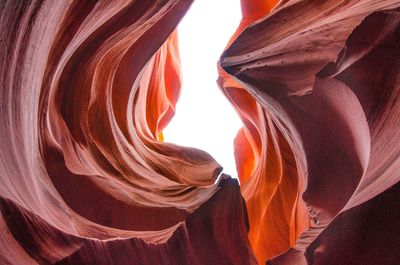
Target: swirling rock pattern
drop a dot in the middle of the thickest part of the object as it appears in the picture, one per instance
(87, 87)
(85, 177)
(322, 80)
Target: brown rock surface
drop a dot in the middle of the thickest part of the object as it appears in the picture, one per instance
(87, 87)
(325, 77)
(85, 177)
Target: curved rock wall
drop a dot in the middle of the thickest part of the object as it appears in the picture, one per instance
(87, 87)
(321, 130)
(85, 177)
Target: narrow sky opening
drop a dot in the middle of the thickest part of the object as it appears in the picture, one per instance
(204, 118)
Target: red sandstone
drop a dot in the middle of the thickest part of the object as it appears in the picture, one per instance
(85, 178)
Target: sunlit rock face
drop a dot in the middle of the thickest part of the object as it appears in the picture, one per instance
(317, 86)
(88, 86)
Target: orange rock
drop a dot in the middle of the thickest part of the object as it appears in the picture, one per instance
(88, 86)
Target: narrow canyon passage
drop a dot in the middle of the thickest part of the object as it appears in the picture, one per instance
(204, 117)
(95, 169)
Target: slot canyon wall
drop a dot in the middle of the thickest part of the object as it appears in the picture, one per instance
(85, 178)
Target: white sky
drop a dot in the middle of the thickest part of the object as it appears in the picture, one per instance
(204, 118)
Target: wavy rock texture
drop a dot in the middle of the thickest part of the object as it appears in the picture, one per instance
(88, 86)
(316, 84)
(266, 164)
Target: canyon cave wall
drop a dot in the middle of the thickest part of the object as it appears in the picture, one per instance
(85, 178)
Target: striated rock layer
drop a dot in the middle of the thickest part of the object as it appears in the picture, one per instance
(85, 177)
(87, 87)
(317, 84)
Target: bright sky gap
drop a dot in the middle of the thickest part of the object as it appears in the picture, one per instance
(204, 118)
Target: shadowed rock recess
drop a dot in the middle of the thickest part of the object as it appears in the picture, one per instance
(85, 178)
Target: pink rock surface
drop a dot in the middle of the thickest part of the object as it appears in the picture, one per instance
(85, 177)
(87, 87)
(326, 75)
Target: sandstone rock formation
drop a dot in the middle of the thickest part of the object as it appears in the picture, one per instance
(85, 177)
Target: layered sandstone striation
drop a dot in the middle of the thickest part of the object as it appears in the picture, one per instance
(85, 177)
(317, 85)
